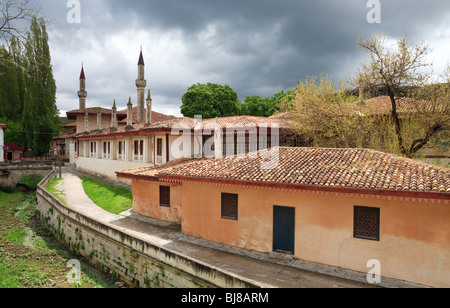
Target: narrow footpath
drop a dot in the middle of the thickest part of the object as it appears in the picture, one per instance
(270, 270)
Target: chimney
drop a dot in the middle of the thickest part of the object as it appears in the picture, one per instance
(129, 115)
(86, 122)
(99, 119)
(218, 143)
(149, 108)
(114, 122)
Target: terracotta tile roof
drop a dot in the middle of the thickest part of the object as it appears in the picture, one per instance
(154, 171)
(13, 147)
(381, 105)
(168, 123)
(156, 116)
(3, 126)
(72, 115)
(337, 168)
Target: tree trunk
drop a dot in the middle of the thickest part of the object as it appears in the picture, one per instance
(398, 127)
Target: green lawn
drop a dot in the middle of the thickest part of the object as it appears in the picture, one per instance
(111, 198)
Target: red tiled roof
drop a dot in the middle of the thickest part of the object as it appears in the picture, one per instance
(13, 147)
(208, 125)
(3, 126)
(156, 116)
(72, 115)
(382, 105)
(317, 167)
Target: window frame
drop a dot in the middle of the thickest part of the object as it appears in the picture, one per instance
(365, 237)
(106, 150)
(161, 187)
(222, 206)
(93, 149)
(159, 147)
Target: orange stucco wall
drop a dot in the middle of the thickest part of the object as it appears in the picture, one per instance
(414, 235)
(146, 201)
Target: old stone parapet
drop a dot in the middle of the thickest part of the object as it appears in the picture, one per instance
(137, 261)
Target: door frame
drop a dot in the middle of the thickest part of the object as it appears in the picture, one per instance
(291, 230)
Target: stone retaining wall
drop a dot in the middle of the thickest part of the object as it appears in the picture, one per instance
(139, 263)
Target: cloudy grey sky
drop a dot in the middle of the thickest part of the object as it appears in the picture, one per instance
(257, 47)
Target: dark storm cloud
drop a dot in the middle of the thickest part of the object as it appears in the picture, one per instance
(257, 47)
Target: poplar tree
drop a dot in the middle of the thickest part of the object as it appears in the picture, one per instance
(40, 115)
(9, 90)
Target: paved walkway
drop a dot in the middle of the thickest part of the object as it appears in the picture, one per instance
(272, 270)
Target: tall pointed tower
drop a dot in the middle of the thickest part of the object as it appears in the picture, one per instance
(82, 94)
(141, 83)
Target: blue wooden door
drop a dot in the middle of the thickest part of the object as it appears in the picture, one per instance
(284, 229)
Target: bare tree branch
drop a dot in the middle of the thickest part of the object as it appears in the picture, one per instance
(15, 16)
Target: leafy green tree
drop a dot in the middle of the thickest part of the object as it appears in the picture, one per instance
(255, 105)
(9, 91)
(14, 133)
(40, 115)
(210, 101)
(322, 114)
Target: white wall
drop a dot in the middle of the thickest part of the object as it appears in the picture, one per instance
(107, 168)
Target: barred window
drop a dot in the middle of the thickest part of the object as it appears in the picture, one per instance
(164, 196)
(230, 206)
(366, 223)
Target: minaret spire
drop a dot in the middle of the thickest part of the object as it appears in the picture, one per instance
(141, 83)
(82, 94)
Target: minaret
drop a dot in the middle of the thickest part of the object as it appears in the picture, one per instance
(82, 94)
(149, 108)
(141, 83)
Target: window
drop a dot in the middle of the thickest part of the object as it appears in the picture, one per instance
(107, 150)
(120, 150)
(138, 150)
(164, 196)
(159, 147)
(366, 223)
(230, 206)
(93, 152)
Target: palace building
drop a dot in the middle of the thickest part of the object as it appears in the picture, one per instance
(109, 140)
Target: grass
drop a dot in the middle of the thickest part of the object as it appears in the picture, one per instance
(30, 257)
(51, 188)
(111, 198)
